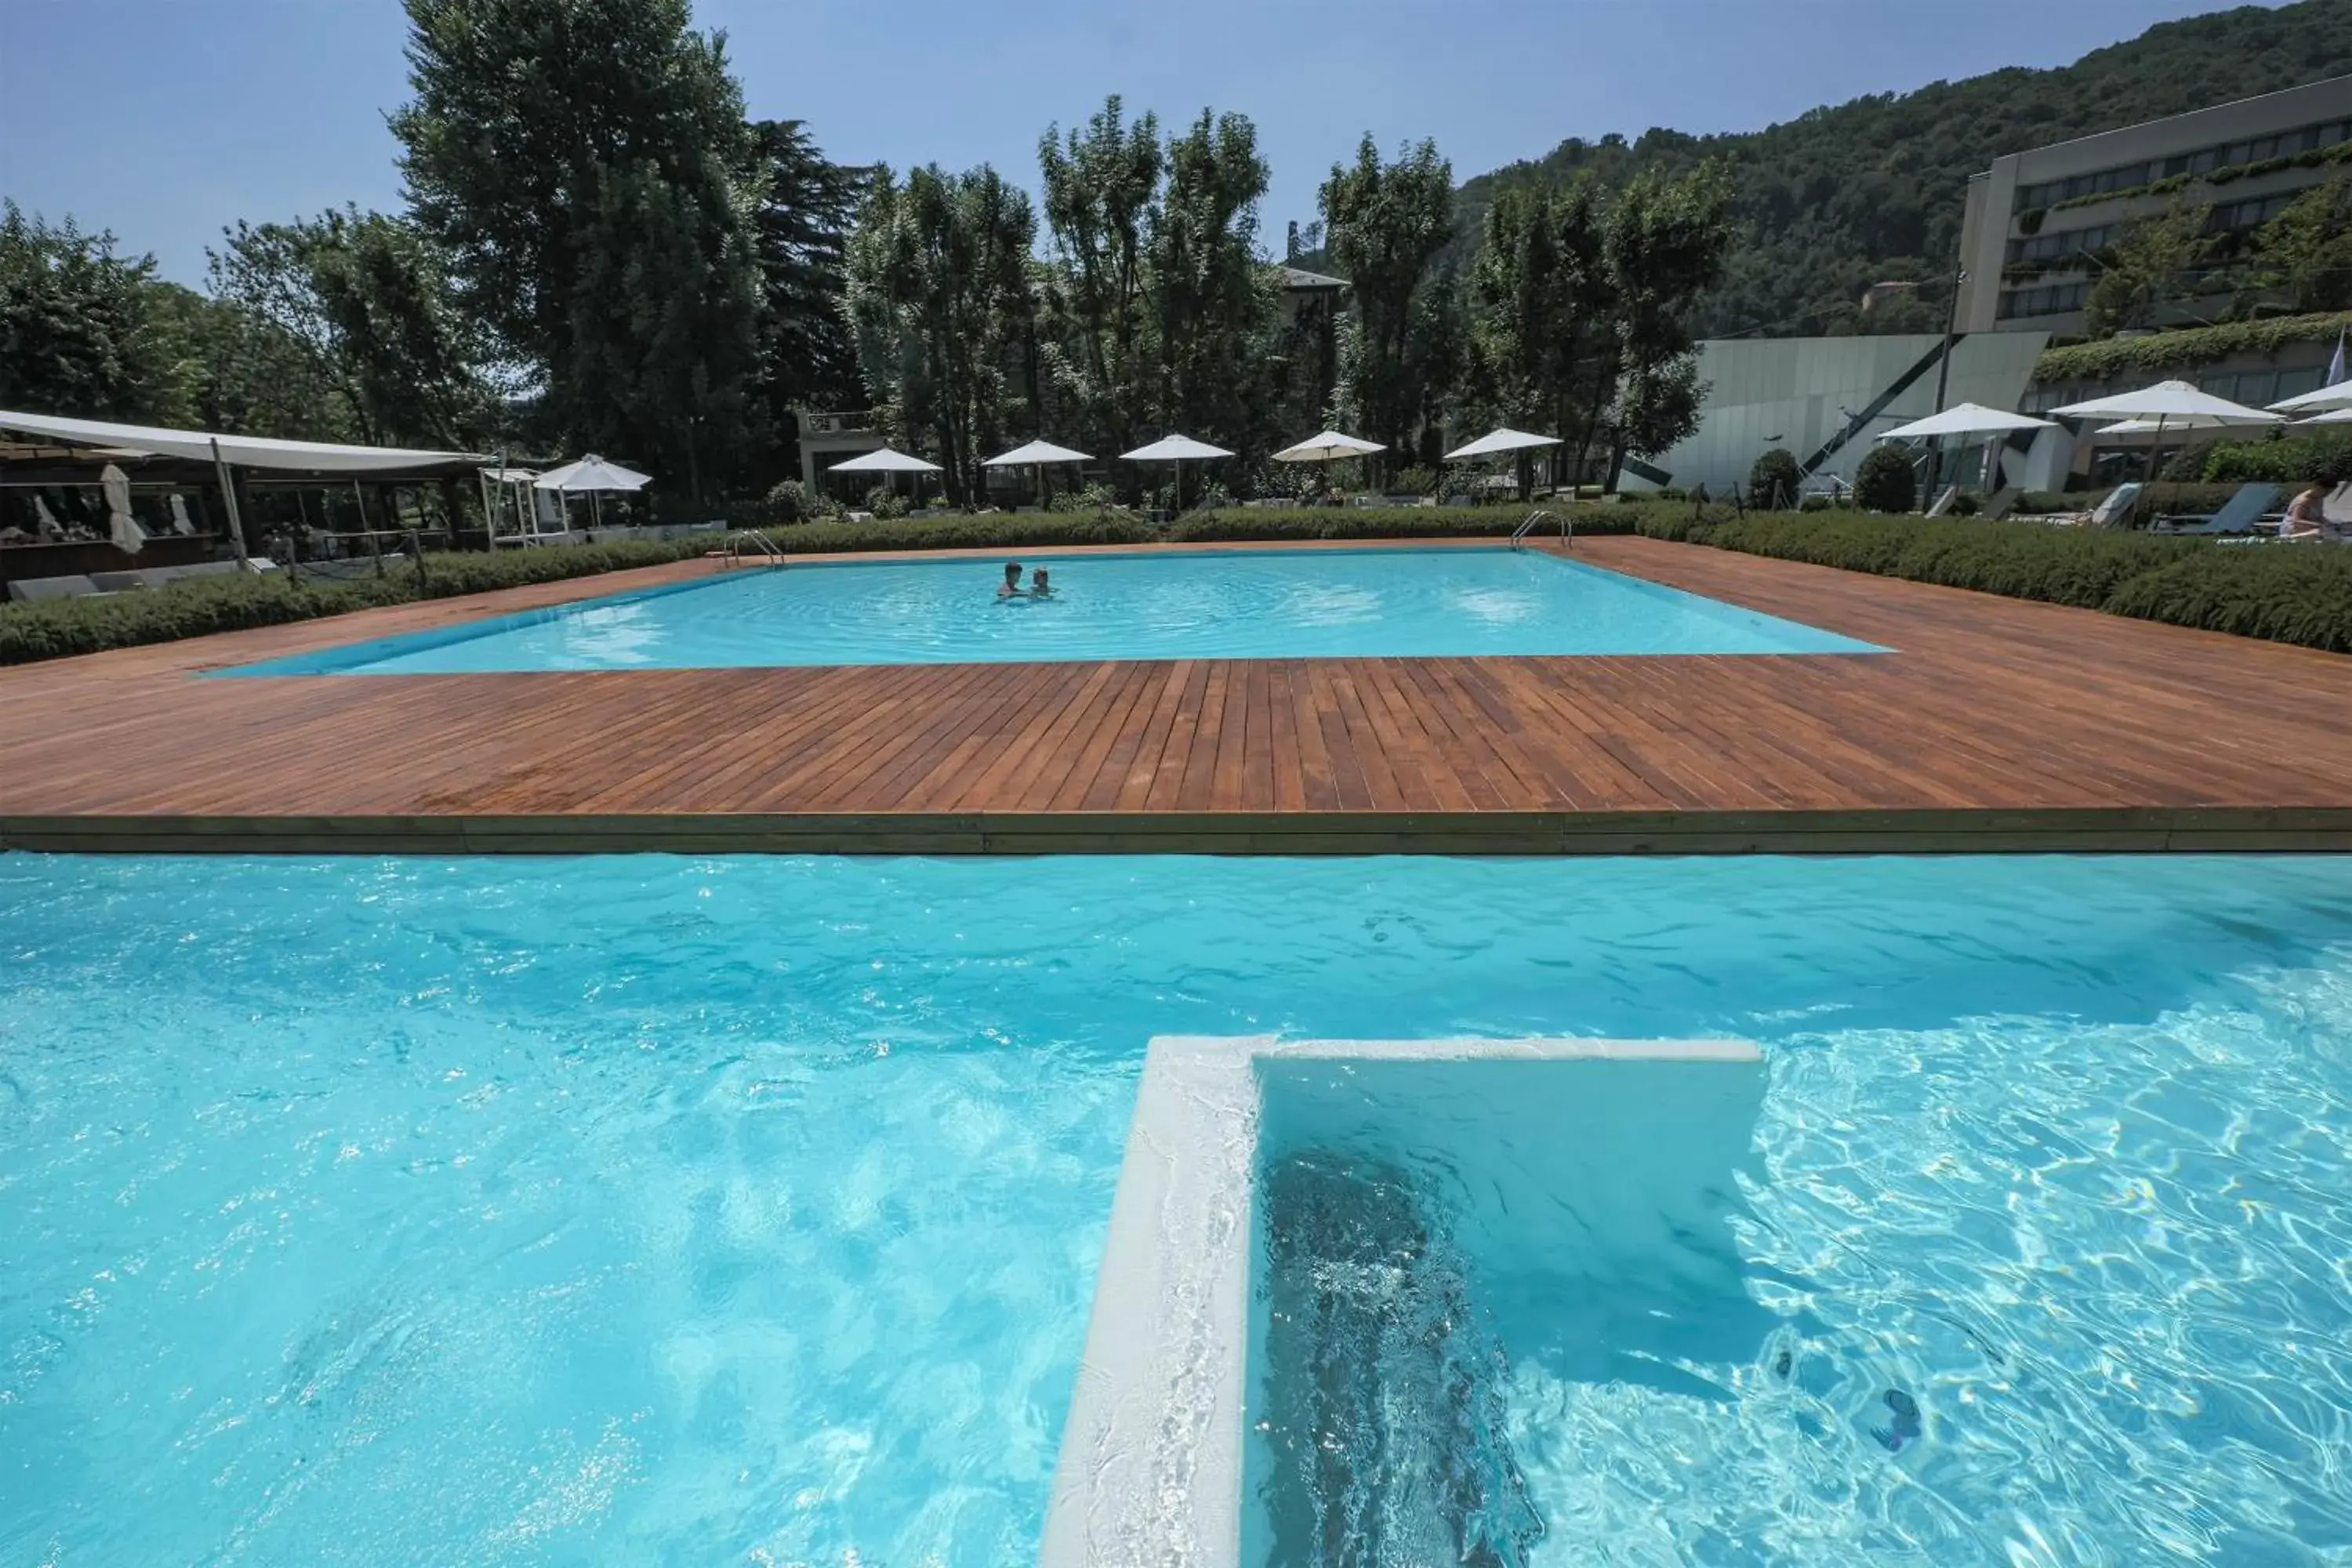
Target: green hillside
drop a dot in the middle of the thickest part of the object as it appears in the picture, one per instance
(1844, 197)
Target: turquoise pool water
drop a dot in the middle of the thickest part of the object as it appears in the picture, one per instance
(676, 1211)
(1239, 604)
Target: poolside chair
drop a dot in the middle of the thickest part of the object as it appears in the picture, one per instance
(2000, 503)
(2238, 514)
(1943, 502)
(30, 590)
(2336, 507)
(2117, 507)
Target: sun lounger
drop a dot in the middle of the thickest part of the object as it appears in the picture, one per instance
(2238, 514)
(2336, 508)
(1944, 502)
(2117, 507)
(31, 590)
(2000, 503)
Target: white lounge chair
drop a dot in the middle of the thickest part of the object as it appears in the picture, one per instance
(2238, 514)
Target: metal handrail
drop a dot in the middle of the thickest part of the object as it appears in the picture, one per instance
(766, 547)
(1519, 535)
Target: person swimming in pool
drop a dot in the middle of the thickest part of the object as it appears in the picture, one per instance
(1040, 585)
(1011, 588)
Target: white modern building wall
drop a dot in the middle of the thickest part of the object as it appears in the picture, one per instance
(1824, 399)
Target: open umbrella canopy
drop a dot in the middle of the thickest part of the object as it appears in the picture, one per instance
(1497, 442)
(1036, 452)
(2333, 416)
(2176, 425)
(1174, 449)
(590, 475)
(2175, 403)
(882, 460)
(1965, 419)
(1327, 447)
(2327, 398)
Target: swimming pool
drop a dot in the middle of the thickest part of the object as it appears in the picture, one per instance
(1259, 604)
(745, 1210)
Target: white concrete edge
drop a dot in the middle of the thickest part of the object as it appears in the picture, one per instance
(1150, 1472)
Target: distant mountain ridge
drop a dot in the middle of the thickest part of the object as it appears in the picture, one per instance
(1872, 190)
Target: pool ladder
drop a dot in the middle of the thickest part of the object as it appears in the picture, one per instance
(762, 547)
(1519, 535)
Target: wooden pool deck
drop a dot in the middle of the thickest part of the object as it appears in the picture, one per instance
(1993, 725)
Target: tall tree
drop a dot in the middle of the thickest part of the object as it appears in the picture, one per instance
(586, 166)
(1387, 224)
(938, 289)
(2148, 266)
(807, 205)
(1209, 297)
(1663, 249)
(1102, 186)
(363, 299)
(83, 331)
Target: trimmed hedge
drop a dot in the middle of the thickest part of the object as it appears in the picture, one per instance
(2320, 457)
(2297, 592)
(1247, 525)
(2185, 349)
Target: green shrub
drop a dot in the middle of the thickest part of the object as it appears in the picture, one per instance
(2187, 349)
(887, 504)
(2316, 458)
(1884, 482)
(2295, 593)
(1245, 524)
(1964, 505)
(1814, 503)
(1775, 479)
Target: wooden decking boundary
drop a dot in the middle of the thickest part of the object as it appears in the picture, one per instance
(2085, 831)
(1993, 726)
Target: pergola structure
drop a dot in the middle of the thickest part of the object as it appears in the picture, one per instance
(40, 450)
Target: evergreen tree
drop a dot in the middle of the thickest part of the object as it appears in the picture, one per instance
(807, 206)
(1387, 225)
(1209, 297)
(586, 167)
(2147, 267)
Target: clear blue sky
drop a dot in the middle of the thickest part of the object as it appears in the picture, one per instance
(166, 120)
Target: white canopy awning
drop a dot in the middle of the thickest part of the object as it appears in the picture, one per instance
(2175, 403)
(1327, 447)
(593, 474)
(238, 451)
(1497, 442)
(882, 460)
(1965, 419)
(2326, 397)
(1036, 452)
(2333, 416)
(1174, 449)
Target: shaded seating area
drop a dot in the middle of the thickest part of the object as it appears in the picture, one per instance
(197, 498)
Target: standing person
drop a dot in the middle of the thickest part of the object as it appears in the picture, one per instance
(1011, 588)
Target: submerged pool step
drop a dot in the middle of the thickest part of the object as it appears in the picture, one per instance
(1152, 1469)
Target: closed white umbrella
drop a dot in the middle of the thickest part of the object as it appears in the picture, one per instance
(1175, 449)
(1036, 455)
(121, 527)
(2327, 399)
(1327, 447)
(591, 476)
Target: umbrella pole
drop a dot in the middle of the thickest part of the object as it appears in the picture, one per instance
(2155, 447)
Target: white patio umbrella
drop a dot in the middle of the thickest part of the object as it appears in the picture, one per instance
(2326, 399)
(121, 527)
(1965, 419)
(1496, 443)
(885, 461)
(1175, 449)
(2171, 405)
(1036, 455)
(1327, 447)
(2333, 416)
(591, 476)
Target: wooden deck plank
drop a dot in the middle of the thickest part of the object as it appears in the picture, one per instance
(1990, 723)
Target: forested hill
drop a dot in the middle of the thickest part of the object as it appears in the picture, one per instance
(1844, 197)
